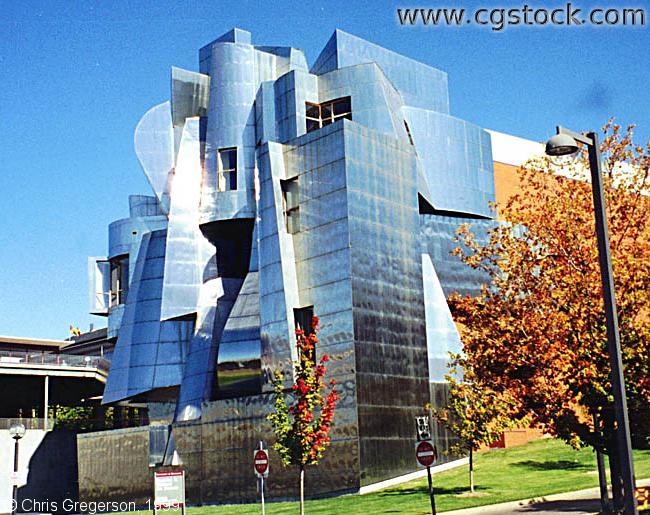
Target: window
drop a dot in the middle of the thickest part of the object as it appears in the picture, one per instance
(312, 113)
(119, 280)
(290, 201)
(303, 318)
(320, 115)
(227, 172)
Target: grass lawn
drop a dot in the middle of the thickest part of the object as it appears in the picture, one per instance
(539, 468)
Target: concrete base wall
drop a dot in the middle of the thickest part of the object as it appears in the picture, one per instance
(47, 474)
(114, 465)
(217, 456)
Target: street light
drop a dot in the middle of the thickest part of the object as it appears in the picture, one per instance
(16, 431)
(565, 143)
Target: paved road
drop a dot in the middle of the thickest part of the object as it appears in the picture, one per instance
(575, 503)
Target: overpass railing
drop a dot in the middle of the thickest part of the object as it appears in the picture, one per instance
(52, 359)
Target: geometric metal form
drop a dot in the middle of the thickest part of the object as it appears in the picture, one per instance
(264, 214)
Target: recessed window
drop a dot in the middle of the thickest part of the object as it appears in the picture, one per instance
(119, 280)
(303, 318)
(290, 201)
(320, 115)
(227, 169)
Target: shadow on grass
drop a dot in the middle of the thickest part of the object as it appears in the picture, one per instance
(424, 490)
(553, 465)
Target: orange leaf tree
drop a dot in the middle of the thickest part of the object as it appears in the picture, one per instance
(537, 330)
(302, 428)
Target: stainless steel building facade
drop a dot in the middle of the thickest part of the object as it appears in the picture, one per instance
(279, 191)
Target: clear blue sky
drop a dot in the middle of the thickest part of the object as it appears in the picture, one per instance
(77, 76)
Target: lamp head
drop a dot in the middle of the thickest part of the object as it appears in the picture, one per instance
(561, 145)
(17, 431)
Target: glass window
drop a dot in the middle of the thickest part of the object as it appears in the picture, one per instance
(119, 280)
(312, 111)
(312, 125)
(341, 107)
(227, 173)
(290, 199)
(326, 113)
(320, 115)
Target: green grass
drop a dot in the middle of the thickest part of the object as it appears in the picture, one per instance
(539, 468)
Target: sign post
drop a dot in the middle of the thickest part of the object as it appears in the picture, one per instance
(426, 455)
(261, 468)
(169, 490)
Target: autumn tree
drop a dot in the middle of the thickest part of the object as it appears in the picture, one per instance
(302, 427)
(475, 413)
(537, 330)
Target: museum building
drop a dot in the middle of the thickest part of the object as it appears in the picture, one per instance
(283, 191)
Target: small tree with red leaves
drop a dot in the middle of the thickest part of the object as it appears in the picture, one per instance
(302, 428)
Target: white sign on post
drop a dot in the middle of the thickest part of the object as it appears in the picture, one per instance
(169, 490)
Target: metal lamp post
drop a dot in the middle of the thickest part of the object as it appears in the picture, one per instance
(564, 143)
(16, 431)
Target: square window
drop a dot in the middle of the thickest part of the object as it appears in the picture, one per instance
(312, 110)
(341, 107)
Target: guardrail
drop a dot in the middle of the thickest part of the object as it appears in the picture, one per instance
(29, 423)
(81, 425)
(45, 358)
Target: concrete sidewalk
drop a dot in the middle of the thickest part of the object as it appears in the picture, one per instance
(576, 503)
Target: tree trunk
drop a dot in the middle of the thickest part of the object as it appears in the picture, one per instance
(471, 471)
(302, 490)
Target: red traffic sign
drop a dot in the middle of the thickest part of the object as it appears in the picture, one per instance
(425, 453)
(261, 462)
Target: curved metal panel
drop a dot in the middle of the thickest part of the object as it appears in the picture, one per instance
(149, 354)
(231, 123)
(154, 146)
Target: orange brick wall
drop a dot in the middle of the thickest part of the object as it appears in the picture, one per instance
(506, 182)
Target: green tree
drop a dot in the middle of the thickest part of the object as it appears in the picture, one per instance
(302, 427)
(475, 413)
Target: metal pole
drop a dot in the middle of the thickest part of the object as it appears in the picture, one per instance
(262, 483)
(46, 402)
(433, 500)
(14, 497)
(624, 442)
(602, 475)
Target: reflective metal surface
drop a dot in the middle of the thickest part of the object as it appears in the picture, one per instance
(188, 254)
(149, 354)
(217, 267)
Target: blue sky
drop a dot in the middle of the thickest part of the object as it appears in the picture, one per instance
(77, 76)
